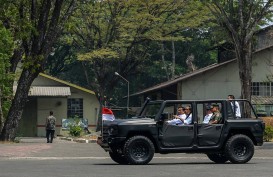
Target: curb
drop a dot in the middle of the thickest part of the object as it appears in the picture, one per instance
(78, 140)
(85, 141)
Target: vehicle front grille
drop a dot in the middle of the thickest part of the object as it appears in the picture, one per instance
(105, 133)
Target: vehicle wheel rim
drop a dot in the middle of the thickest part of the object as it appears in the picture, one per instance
(139, 150)
(240, 150)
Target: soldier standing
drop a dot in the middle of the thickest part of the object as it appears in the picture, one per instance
(50, 127)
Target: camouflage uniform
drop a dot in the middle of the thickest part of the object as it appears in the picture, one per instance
(216, 116)
(50, 128)
(50, 123)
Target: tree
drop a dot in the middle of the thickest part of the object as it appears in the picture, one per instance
(6, 47)
(115, 35)
(241, 19)
(35, 25)
(171, 60)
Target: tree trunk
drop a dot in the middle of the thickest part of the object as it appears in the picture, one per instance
(15, 112)
(245, 69)
(86, 74)
(99, 121)
(163, 60)
(173, 58)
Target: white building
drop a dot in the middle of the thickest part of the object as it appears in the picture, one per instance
(219, 80)
(63, 98)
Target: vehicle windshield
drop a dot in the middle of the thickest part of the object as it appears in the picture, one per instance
(151, 110)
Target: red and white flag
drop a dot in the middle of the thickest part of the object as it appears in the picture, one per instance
(107, 114)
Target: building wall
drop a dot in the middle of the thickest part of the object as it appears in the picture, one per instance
(58, 105)
(213, 84)
(265, 38)
(222, 81)
(44, 105)
(90, 106)
(27, 124)
(42, 81)
(263, 66)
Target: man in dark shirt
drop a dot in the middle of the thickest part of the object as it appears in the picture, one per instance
(50, 127)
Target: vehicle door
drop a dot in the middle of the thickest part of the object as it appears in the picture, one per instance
(176, 135)
(209, 134)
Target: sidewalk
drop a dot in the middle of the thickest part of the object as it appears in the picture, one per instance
(90, 138)
(37, 147)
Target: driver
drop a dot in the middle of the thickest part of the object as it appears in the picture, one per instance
(183, 116)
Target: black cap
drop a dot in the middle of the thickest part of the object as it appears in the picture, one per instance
(215, 105)
(209, 107)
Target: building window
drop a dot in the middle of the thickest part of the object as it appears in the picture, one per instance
(262, 88)
(75, 107)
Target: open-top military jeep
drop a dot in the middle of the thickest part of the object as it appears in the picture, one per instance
(232, 138)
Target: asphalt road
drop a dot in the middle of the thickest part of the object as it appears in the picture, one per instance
(34, 158)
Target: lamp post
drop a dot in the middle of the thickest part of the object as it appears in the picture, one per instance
(117, 74)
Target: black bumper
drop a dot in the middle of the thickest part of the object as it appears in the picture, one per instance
(107, 143)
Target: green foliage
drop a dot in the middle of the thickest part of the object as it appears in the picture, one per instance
(125, 37)
(75, 128)
(98, 54)
(268, 133)
(6, 78)
(236, 21)
(117, 35)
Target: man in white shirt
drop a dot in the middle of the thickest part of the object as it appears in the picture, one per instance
(179, 118)
(235, 106)
(208, 115)
(188, 119)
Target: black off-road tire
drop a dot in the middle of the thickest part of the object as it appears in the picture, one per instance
(139, 150)
(239, 149)
(218, 157)
(119, 158)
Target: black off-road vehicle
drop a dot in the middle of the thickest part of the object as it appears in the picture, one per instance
(135, 140)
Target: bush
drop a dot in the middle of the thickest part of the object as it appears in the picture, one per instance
(268, 133)
(75, 128)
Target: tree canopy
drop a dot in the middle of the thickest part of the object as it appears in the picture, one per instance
(120, 36)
